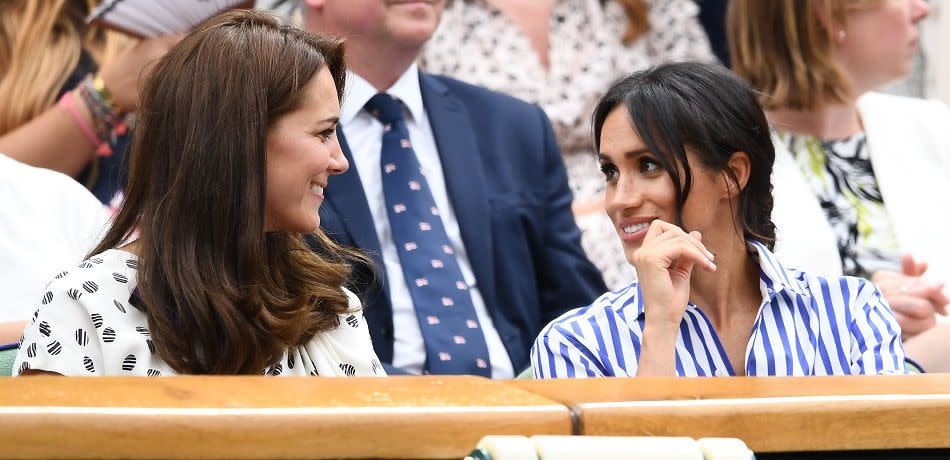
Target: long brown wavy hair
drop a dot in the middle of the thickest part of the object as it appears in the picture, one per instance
(223, 296)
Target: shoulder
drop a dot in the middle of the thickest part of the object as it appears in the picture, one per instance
(355, 305)
(901, 106)
(840, 292)
(47, 184)
(478, 96)
(614, 307)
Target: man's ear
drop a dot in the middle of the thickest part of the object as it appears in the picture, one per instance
(741, 168)
(316, 4)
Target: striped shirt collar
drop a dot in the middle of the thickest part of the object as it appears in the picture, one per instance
(774, 278)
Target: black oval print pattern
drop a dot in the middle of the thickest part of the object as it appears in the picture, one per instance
(87, 363)
(119, 305)
(74, 294)
(47, 298)
(348, 369)
(108, 335)
(153, 373)
(60, 275)
(82, 339)
(120, 278)
(31, 351)
(54, 348)
(128, 363)
(90, 286)
(96, 320)
(45, 329)
(132, 263)
(353, 321)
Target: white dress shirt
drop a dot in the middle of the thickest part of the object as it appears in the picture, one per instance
(364, 134)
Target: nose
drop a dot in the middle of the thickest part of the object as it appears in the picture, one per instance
(338, 162)
(920, 9)
(624, 197)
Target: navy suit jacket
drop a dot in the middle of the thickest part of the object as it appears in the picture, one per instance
(508, 186)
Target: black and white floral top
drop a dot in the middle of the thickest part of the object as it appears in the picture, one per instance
(477, 43)
(842, 176)
(86, 325)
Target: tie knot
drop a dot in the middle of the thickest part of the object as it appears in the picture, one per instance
(385, 108)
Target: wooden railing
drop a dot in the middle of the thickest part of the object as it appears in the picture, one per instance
(444, 417)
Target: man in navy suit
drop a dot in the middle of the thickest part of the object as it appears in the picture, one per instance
(488, 167)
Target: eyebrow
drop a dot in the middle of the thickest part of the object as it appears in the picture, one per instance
(331, 120)
(631, 154)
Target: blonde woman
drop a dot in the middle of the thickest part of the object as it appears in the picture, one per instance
(862, 179)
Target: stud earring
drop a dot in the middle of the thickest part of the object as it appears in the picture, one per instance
(841, 35)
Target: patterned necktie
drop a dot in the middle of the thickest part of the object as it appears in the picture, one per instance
(453, 338)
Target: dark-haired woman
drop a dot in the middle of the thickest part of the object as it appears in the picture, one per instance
(561, 54)
(687, 156)
(235, 142)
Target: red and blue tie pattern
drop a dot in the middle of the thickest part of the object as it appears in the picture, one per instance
(450, 329)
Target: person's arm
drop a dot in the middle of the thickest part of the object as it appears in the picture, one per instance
(664, 266)
(875, 335)
(568, 278)
(11, 332)
(55, 140)
(52, 140)
(558, 353)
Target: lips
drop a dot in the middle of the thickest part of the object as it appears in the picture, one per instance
(634, 229)
(316, 189)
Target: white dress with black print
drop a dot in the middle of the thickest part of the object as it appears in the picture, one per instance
(477, 43)
(86, 325)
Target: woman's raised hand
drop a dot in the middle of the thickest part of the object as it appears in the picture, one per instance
(664, 265)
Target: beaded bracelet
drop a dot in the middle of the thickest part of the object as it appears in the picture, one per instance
(108, 121)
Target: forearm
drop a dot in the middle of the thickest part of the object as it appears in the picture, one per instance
(11, 332)
(52, 140)
(658, 350)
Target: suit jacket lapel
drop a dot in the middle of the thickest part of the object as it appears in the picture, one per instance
(464, 178)
(347, 199)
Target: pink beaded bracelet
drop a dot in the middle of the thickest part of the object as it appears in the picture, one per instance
(69, 104)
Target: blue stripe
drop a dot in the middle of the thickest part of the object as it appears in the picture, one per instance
(582, 349)
(769, 355)
(567, 359)
(812, 335)
(699, 332)
(783, 336)
(892, 348)
(552, 369)
(688, 343)
(615, 339)
(830, 308)
(718, 343)
(799, 352)
(846, 295)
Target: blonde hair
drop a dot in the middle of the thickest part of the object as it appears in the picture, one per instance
(784, 49)
(40, 45)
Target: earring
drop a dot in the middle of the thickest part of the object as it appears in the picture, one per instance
(841, 35)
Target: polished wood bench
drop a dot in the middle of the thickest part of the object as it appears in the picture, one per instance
(770, 414)
(265, 417)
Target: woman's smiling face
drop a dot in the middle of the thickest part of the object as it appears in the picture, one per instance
(640, 190)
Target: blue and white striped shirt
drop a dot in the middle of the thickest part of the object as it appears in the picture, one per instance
(806, 325)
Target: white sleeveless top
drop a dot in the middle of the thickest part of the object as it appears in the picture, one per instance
(86, 326)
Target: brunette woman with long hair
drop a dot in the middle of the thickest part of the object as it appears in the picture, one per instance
(205, 269)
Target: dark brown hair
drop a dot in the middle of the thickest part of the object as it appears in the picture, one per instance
(223, 296)
(707, 108)
(784, 50)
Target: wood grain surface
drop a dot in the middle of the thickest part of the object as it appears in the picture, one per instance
(769, 414)
(265, 417)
